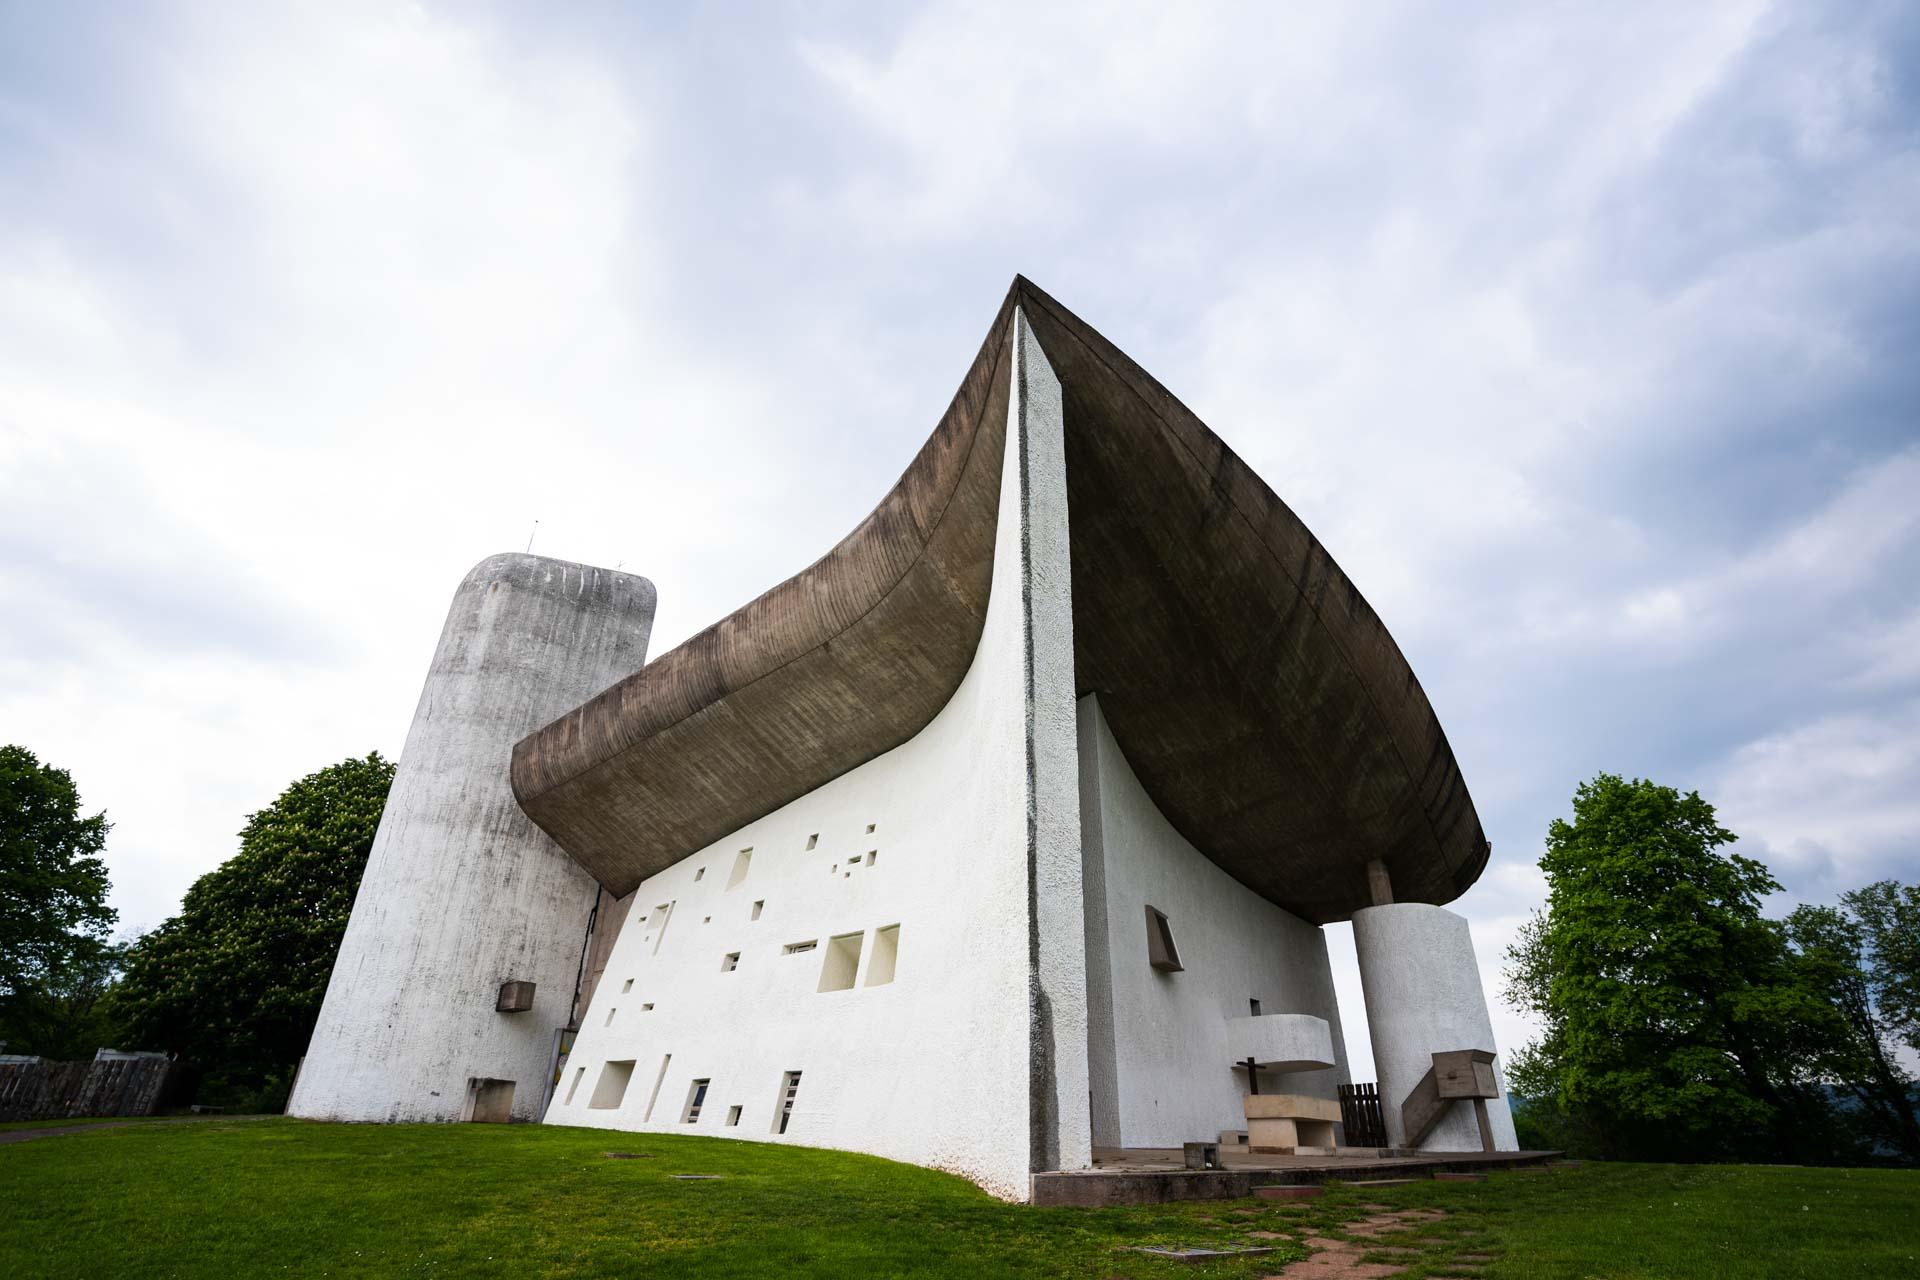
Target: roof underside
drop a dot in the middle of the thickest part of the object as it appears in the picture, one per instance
(1256, 695)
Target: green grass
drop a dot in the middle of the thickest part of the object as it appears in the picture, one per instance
(281, 1197)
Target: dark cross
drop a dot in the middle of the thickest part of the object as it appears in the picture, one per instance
(1253, 1077)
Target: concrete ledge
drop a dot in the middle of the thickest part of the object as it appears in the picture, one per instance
(1104, 1188)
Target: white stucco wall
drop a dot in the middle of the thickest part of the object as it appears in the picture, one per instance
(936, 1067)
(1160, 1043)
(1423, 993)
(462, 892)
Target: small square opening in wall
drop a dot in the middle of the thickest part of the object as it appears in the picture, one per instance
(609, 1021)
(699, 874)
(813, 842)
(841, 963)
(795, 948)
(741, 861)
(647, 1007)
(733, 1116)
(730, 962)
(783, 1105)
(1253, 1007)
(886, 954)
(626, 986)
(1161, 953)
(873, 856)
(758, 907)
(611, 1088)
(870, 827)
(696, 1098)
(488, 1101)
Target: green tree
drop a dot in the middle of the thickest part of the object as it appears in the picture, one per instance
(1833, 960)
(1889, 916)
(1677, 1025)
(233, 983)
(54, 916)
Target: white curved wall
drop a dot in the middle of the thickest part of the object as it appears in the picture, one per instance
(1161, 1045)
(1423, 994)
(971, 1057)
(462, 892)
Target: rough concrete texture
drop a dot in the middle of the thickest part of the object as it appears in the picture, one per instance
(969, 847)
(1259, 698)
(1161, 1048)
(1423, 993)
(462, 892)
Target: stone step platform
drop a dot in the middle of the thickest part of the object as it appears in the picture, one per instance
(1154, 1176)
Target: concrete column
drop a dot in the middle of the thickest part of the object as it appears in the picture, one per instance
(1423, 992)
(462, 892)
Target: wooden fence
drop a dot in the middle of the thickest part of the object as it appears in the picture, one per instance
(1360, 1113)
(41, 1090)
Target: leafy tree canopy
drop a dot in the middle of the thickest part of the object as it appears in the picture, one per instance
(1677, 1024)
(234, 982)
(1889, 918)
(53, 883)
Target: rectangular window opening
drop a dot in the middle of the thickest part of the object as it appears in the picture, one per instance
(579, 1074)
(870, 827)
(658, 1079)
(873, 856)
(733, 1115)
(665, 912)
(886, 953)
(626, 986)
(795, 948)
(488, 1101)
(758, 907)
(813, 842)
(1161, 953)
(841, 963)
(783, 1106)
(731, 962)
(699, 875)
(696, 1098)
(1253, 1007)
(610, 1090)
(741, 861)
(609, 1021)
(647, 1007)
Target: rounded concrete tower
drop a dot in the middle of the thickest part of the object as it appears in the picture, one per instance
(464, 899)
(1423, 994)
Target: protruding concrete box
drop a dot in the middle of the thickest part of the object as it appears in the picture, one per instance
(1282, 1042)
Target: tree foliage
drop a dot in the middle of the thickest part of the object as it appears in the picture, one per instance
(1835, 961)
(1889, 918)
(233, 983)
(54, 917)
(1678, 1024)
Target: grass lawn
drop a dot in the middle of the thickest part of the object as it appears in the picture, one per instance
(282, 1197)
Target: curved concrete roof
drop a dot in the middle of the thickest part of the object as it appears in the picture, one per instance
(1256, 694)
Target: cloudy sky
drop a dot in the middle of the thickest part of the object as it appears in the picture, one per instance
(1584, 336)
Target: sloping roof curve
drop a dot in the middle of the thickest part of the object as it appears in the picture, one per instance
(1257, 696)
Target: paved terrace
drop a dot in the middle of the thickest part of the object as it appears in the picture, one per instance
(1154, 1175)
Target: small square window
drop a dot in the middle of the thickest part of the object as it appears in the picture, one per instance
(731, 962)
(1253, 1007)
(795, 948)
(813, 841)
(870, 827)
(699, 875)
(733, 1116)
(873, 856)
(757, 908)
(626, 986)
(647, 1007)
